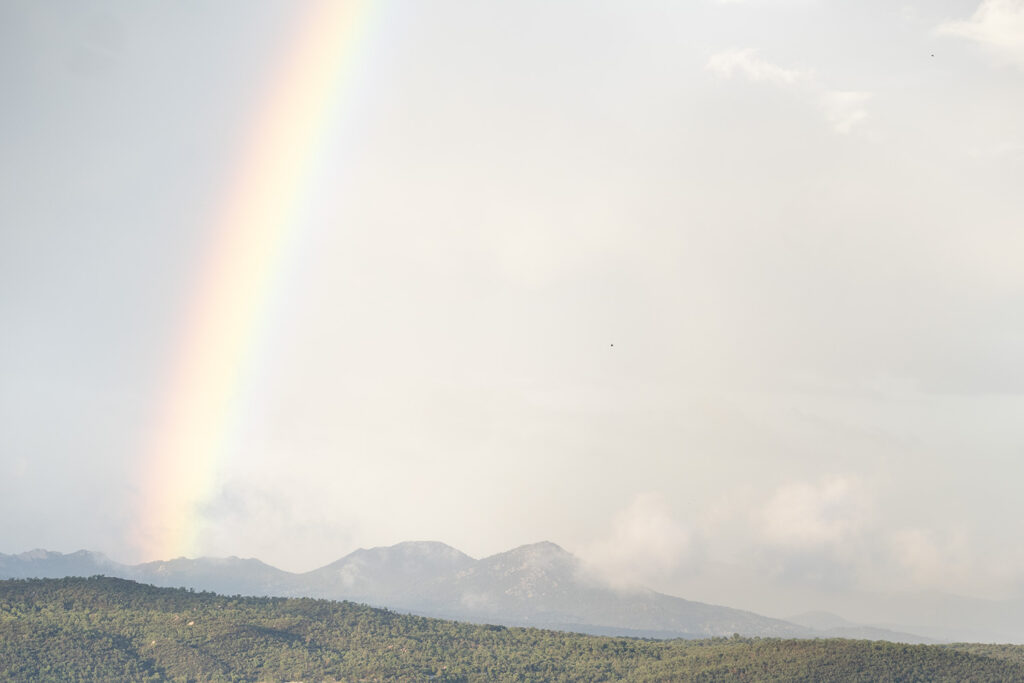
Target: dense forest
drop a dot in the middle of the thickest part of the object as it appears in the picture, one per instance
(111, 629)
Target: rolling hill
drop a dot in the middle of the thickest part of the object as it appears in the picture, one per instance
(112, 629)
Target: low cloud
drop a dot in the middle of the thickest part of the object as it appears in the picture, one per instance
(832, 533)
(845, 110)
(929, 558)
(998, 26)
(812, 515)
(644, 543)
(814, 532)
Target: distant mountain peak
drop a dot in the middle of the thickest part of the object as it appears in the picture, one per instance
(37, 554)
(543, 546)
(426, 548)
(546, 557)
(423, 544)
(429, 551)
(542, 549)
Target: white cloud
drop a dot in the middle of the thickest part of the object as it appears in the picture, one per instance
(803, 515)
(644, 543)
(929, 559)
(998, 25)
(844, 109)
(747, 63)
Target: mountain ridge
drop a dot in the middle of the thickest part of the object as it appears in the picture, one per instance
(539, 584)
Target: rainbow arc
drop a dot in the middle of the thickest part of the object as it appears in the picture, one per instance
(261, 215)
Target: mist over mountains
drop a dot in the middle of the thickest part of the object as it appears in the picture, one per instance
(538, 585)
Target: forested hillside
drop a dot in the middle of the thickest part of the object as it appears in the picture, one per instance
(111, 629)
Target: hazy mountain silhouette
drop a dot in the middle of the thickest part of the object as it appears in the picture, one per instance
(230, 575)
(44, 564)
(225, 575)
(943, 616)
(543, 585)
(401, 574)
(539, 585)
(834, 626)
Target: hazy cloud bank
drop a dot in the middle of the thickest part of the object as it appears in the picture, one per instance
(644, 544)
(823, 534)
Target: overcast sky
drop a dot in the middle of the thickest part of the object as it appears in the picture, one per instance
(799, 222)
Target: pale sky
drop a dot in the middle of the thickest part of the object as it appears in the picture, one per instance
(799, 222)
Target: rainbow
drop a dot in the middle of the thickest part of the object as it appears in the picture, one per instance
(251, 234)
